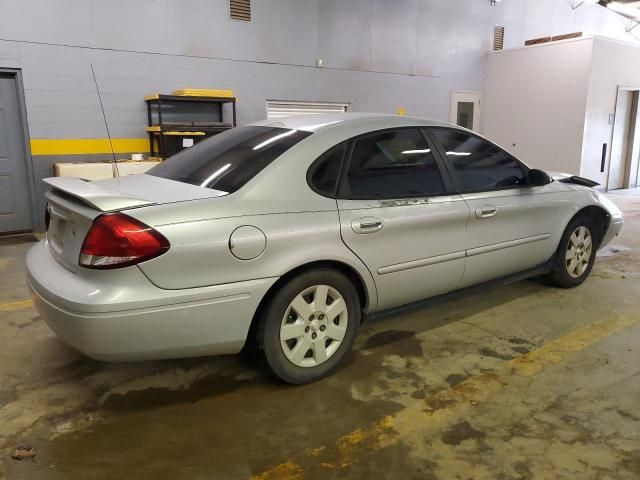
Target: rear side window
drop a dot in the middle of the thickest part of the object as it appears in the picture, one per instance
(230, 159)
(393, 164)
(325, 172)
(479, 164)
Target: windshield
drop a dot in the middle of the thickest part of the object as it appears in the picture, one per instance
(228, 160)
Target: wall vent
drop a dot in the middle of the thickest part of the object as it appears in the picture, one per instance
(240, 10)
(498, 37)
(287, 108)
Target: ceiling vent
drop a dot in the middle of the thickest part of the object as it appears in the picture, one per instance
(498, 37)
(240, 10)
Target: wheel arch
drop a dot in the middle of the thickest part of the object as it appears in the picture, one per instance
(350, 272)
(600, 217)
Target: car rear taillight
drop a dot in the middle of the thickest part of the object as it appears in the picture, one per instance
(47, 218)
(116, 240)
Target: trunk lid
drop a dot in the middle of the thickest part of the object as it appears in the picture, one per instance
(73, 204)
(131, 191)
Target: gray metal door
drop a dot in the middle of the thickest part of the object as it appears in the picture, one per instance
(14, 189)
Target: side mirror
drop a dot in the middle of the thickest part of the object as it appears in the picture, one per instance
(538, 178)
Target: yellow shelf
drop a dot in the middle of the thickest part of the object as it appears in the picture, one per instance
(203, 92)
(185, 134)
(156, 129)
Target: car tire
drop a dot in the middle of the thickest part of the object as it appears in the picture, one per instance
(575, 255)
(309, 325)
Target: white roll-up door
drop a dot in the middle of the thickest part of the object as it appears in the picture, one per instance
(282, 108)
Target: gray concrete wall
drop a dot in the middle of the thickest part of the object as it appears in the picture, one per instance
(377, 54)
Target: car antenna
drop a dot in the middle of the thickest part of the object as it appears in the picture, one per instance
(114, 163)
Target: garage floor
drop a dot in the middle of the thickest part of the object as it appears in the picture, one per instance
(519, 382)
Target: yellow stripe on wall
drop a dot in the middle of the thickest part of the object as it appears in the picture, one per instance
(79, 146)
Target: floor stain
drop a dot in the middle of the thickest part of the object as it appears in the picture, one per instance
(398, 342)
(207, 387)
(460, 432)
(523, 470)
(7, 396)
(434, 404)
(489, 352)
(456, 378)
(419, 394)
(628, 415)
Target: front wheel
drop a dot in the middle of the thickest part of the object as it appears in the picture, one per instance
(309, 325)
(576, 254)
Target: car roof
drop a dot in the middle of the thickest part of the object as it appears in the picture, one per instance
(323, 121)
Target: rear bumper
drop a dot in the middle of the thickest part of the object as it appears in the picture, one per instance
(123, 316)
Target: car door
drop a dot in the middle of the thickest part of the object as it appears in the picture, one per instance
(511, 224)
(399, 215)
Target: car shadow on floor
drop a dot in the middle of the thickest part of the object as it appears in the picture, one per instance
(9, 240)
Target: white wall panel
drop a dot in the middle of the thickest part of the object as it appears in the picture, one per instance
(535, 102)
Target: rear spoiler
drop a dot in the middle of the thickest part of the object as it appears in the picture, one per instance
(96, 195)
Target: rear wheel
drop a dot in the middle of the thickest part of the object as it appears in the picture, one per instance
(309, 325)
(575, 255)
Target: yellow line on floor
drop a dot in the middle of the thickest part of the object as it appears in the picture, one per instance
(436, 411)
(6, 307)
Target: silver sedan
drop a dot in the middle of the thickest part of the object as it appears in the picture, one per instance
(290, 232)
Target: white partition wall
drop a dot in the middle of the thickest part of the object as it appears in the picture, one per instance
(535, 102)
(569, 106)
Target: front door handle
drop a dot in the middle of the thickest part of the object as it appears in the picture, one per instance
(367, 225)
(486, 211)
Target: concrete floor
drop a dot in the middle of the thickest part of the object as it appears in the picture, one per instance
(520, 382)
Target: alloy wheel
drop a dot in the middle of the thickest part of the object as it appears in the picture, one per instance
(314, 326)
(578, 252)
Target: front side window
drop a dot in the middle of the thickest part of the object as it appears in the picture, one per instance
(392, 164)
(479, 164)
(228, 160)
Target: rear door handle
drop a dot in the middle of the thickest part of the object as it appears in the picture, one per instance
(486, 211)
(367, 225)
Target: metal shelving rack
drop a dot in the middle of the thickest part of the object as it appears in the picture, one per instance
(159, 130)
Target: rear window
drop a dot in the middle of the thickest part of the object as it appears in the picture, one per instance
(230, 159)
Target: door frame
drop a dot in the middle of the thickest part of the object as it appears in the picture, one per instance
(16, 73)
(633, 140)
(465, 96)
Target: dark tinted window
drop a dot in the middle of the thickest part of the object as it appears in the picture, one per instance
(393, 164)
(230, 159)
(479, 164)
(325, 172)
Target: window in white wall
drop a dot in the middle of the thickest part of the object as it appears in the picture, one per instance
(465, 109)
(286, 108)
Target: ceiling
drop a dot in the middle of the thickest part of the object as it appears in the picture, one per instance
(626, 8)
